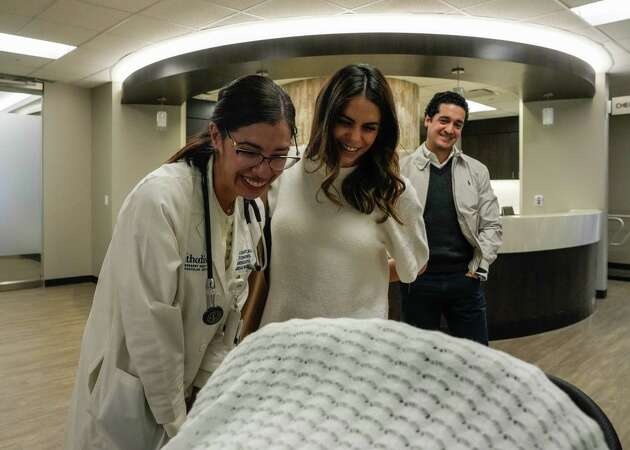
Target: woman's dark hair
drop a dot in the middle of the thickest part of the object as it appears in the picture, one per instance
(448, 98)
(245, 101)
(376, 182)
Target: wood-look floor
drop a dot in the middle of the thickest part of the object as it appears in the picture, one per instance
(40, 333)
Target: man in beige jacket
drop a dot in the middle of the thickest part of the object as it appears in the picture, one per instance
(461, 215)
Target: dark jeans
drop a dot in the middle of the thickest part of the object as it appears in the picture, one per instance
(459, 298)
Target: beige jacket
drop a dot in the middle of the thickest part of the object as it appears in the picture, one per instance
(477, 206)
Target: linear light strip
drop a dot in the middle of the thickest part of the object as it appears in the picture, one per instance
(604, 11)
(33, 47)
(578, 46)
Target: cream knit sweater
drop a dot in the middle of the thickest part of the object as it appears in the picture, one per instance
(331, 261)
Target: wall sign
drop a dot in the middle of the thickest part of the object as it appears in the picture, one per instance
(620, 105)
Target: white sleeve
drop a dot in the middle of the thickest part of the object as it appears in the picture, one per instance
(148, 260)
(407, 243)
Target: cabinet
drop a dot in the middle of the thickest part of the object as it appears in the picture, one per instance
(494, 142)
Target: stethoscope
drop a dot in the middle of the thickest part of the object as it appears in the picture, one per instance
(214, 313)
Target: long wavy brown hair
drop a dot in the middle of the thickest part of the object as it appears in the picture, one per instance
(376, 182)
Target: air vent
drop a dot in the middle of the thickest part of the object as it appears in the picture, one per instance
(483, 92)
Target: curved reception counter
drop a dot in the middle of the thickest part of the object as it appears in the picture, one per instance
(544, 276)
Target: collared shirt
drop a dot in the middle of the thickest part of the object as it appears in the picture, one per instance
(433, 157)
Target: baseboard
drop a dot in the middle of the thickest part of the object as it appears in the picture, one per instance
(618, 278)
(614, 265)
(70, 280)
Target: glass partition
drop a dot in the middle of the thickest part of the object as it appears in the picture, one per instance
(20, 185)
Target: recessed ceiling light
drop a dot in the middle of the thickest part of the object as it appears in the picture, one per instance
(33, 47)
(604, 11)
(576, 45)
(475, 107)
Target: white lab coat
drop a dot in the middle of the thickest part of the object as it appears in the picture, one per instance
(145, 339)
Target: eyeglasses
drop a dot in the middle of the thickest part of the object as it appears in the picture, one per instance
(251, 157)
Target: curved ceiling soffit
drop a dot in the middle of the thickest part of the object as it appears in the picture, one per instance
(527, 70)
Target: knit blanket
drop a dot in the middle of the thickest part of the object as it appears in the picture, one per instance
(374, 384)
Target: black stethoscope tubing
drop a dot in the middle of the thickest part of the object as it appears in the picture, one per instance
(214, 313)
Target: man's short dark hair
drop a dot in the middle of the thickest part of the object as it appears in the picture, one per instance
(448, 97)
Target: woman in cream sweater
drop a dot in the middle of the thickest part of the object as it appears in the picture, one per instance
(344, 222)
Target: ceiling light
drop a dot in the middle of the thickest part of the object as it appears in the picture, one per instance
(33, 47)
(604, 11)
(475, 107)
(9, 99)
(532, 34)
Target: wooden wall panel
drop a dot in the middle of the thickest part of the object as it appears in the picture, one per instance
(406, 97)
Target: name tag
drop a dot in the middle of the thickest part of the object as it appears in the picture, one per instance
(245, 260)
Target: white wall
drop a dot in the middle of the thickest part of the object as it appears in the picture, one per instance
(102, 220)
(619, 181)
(508, 193)
(126, 147)
(567, 163)
(20, 184)
(138, 147)
(67, 177)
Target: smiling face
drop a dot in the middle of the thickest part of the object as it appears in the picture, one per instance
(444, 128)
(356, 130)
(233, 175)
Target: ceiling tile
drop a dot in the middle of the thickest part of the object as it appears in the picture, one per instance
(351, 4)
(514, 9)
(234, 19)
(237, 4)
(274, 9)
(84, 15)
(88, 56)
(94, 80)
(617, 30)
(7, 59)
(103, 76)
(123, 5)
(65, 72)
(624, 43)
(57, 32)
(190, 13)
(10, 23)
(407, 6)
(574, 3)
(141, 28)
(564, 20)
(114, 46)
(16, 69)
(24, 7)
(464, 3)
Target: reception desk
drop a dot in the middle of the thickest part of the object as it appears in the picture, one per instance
(544, 276)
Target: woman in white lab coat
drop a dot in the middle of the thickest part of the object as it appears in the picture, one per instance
(155, 331)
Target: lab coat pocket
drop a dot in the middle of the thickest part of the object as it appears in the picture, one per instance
(125, 416)
(94, 372)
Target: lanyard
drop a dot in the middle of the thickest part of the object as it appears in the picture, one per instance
(214, 313)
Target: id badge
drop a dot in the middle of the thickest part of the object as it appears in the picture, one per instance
(232, 327)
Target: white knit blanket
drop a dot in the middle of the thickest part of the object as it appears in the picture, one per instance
(376, 384)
